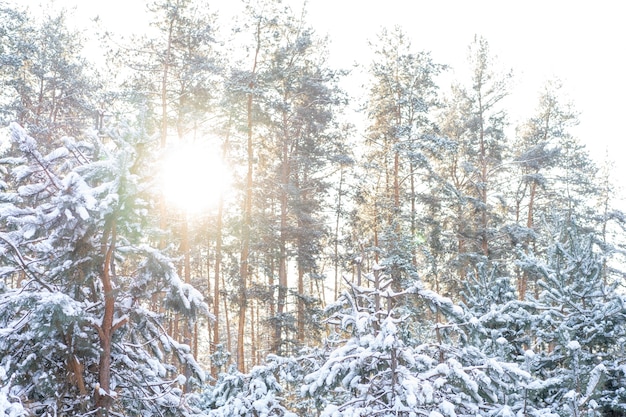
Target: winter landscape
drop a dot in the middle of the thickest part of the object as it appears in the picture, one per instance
(202, 219)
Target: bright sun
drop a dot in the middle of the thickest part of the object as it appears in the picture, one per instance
(194, 177)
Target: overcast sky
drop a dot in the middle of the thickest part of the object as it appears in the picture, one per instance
(580, 42)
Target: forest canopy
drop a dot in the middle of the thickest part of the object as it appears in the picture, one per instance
(196, 224)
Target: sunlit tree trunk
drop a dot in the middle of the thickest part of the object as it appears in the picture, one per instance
(336, 239)
(247, 213)
(107, 328)
(216, 285)
(301, 304)
(523, 282)
(413, 225)
(302, 262)
(282, 255)
(482, 191)
(164, 81)
(187, 276)
(229, 339)
(253, 333)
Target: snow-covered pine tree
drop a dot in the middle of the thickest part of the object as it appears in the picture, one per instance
(48, 85)
(255, 394)
(9, 407)
(501, 326)
(78, 333)
(381, 370)
(579, 327)
(501, 323)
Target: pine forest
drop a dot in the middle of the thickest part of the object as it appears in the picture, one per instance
(201, 221)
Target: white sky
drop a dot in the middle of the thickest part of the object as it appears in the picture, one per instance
(580, 42)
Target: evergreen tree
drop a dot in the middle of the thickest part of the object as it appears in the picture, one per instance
(469, 171)
(538, 148)
(255, 394)
(401, 98)
(48, 85)
(171, 75)
(10, 406)
(579, 326)
(292, 99)
(490, 298)
(380, 369)
(78, 336)
(519, 238)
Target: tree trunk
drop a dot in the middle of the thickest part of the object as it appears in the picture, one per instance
(229, 341)
(217, 268)
(164, 81)
(413, 213)
(396, 184)
(484, 233)
(105, 330)
(187, 274)
(336, 243)
(247, 215)
(272, 302)
(523, 284)
(253, 334)
(302, 267)
(216, 286)
(482, 160)
(282, 267)
(301, 306)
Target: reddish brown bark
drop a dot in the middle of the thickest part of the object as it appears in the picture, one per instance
(106, 329)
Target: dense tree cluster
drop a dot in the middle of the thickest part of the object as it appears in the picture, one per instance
(429, 260)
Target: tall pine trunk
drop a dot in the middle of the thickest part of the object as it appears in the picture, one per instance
(247, 215)
(216, 286)
(282, 261)
(336, 240)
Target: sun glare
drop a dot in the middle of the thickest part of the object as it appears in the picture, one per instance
(194, 177)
